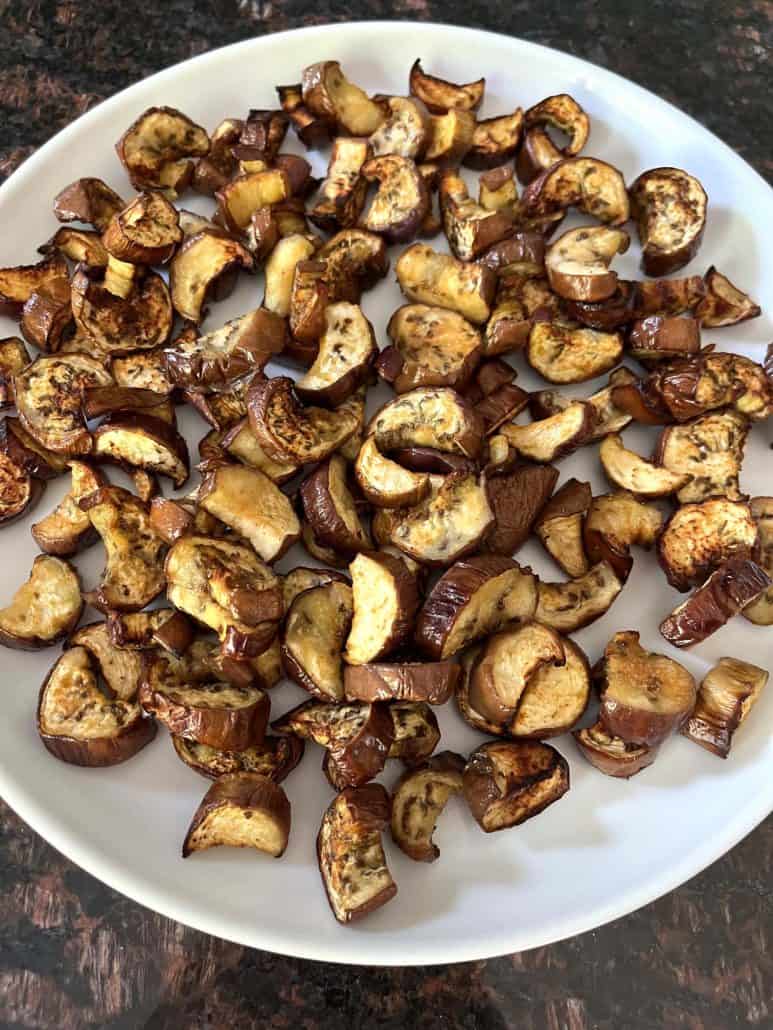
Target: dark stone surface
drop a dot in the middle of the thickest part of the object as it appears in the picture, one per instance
(73, 953)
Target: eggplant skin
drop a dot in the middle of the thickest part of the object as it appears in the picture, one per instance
(433, 682)
(613, 756)
(362, 758)
(517, 498)
(251, 794)
(104, 752)
(222, 728)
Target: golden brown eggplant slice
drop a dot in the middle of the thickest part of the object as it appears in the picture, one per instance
(354, 261)
(45, 608)
(120, 669)
(569, 606)
(615, 522)
(470, 228)
(402, 200)
(14, 357)
(612, 755)
(450, 137)
(18, 283)
(418, 799)
(313, 132)
(586, 183)
(431, 346)
(627, 470)
(566, 354)
(700, 537)
(328, 94)
(331, 509)
(145, 370)
(386, 599)
(145, 232)
(405, 130)
(431, 682)
(708, 452)
(315, 630)
(275, 758)
(440, 279)
(663, 337)
(280, 270)
(142, 441)
(725, 697)
(19, 492)
(241, 810)
(88, 200)
(67, 529)
(553, 437)
(204, 268)
(240, 442)
(385, 483)
(440, 95)
(157, 150)
(342, 194)
(559, 526)
(142, 320)
(494, 140)
(555, 697)
(669, 208)
(308, 302)
(347, 348)
(538, 152)
(46, 320)
(416, 729)
(433, 417)
(577, 264)
(723, 303)
(247, 193)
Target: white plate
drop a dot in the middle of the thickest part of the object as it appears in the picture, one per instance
(608, 847)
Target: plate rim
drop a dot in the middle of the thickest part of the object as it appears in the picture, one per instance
(349, 950)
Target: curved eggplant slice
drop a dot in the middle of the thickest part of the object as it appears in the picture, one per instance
(614, 523)
(88, 200)
(342, 194)
(242, 810)
(145, 631)
(205, 265)
(402, 199)
(497, 190)
(315, 630)
(18, 490)
(79, 725)
(275, 758)
(14, 357)
(145, 232)
(404, 132)
(668, 296)
(133, 573)
(312, 131)
(559, 526)
(317, 550)
(354, 262)
(219, 165)
(416, 731)
(436, 417)
(385, 483)
(516, 497)
(577, 264)
(434, 463)
(67, 529)
(561, 111)
(350, 853)
(156, 150)
(567, 607)
(723, 303)
(142, 441)
(627, 470)
(115, 400)
(432, 682)
(564, 354)
(644, 696)
(24, 451)
(49, 396)
(592, 186)
(17, 284)
(472, 600)
(550, 438)
(607, 418)
(709, 381)
(725, 698)
(728, 589)
(700, 537)
(440, 95)
(470, 228)
(662, 337)
(225, 586)
(140, 321)
(507, 782)
(46, 319)
(612, 755)
(145, 370)
(708, 453)
(386, 599)
(347, 348)
(418, 799)
(249, 192)
(280, 267)
(760, 612)
(328, 94)
(669, 208)
(246, 500)
(521, 254)
(431, 346)
(303, 578)
(556, 696)
(450, 137)
(520, 302)
(240, 443)
(494, 141)
(120, 669)
(331, 509)
(440, 279)
(308, 302)
(45, 608)
(609, 314)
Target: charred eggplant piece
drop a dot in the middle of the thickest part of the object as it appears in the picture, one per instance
(386, 599)
(440, 95)
(669, 208)
(342, 194)
(156, 150)
(416, 731)
(439, 279)
(242, 810)
(433, 417)
(725, 698)
(18, 490)
(431, 682)
(612, 755)
(563, 354)
(240, 442)
(723, 303)
(145, 232)
(567, 607)
(316, 627)
(13, 358)
(431, 346)
(520, 302)
(760, 611)
(661, 337)
(313, 132)
(577, 264)
(385, 483)
(628, 471)
(46, 319)
(708, 453)
(145, 370)
(538, 151)
(516, 497)
(495, 141)
(44, 609)
(88, 200)
(347, 348)
(143, 441)
(249, 192)
(556, 696)
(67, 529)
(470, 228)
(450, 137)
(418, 800)
(559, 526)
(204, 268)
(275, 758)
(145, 631)
(592, 186)
(354, 261)
(550, 438)
(402, 200)
(698, 538)
(607, 418)
(328, 94)
(120, 669)
(667, 296)
(19, 283)
(140, 320)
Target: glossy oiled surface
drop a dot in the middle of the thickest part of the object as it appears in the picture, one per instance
(646, 970)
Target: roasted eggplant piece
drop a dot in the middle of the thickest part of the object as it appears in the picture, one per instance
(331, 510)
(156, 150)
(114, 400)
(45, 608)
(219, 165)
(577, 264)
(432, 682)
(517, 496)
(328, 94)
(225, 586)
(708, 453)
(317, 550)
(439, 279)
(450, 137)
(67, 529)
(494, 140)
(433, 417)
(313, 132)
(538, 152)
(120, 669)
(304, 578)
(18, 283)
(240, 442)
(556, 696)
(24, 451)
(402, 200)
(404, 131)
(315, 630)
(385, 483)
(418, 799)
(145, 442)
(607, 418)
(18, 490)
(440, 95)
(662, 337)
(609, 314)
(612, 755)
(667, 296)
(46, 319)
(520, 302)
(247, 193)
(473, 599)
(565, 354)
(568, 607)
(88, 200)
(592, 186)
(241, 810)
(342, 194)
(145, 232)
(644, 696)
(550, 438)
(559, 526)
(760, 611)
(725, 698)
(141, 320)
(14, 357)
(145, 631)
(204, 268)
(507, 782)
(386, 599)
(470, 228)
(698, 538)
(497, 190)
(614, 523)
(521, 254)
(354, 261)
(669, 208)
(275, 758)
(723, 303)
(347, 348)
(350, 853)
(416, 731)
(431, 346)
(627, 470)
(280, 271)
(308, 302)
(145, 370)
(79, 724)
(726, 592)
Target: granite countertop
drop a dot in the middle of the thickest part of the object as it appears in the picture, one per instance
(74, 953)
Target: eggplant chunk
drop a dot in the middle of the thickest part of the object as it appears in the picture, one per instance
(385, 483)
(317, 550)
(145, 631)
(14, 357)
(433, 682)
(494, 140)
(241, 810)
(145, 232)
(350, 853)
(115, 324)
(516, 497)
(627, 470)
(538, 151)
(246, 500)
(145, 370)
(280, 271)
(520, 301)
(577, 264)
(142, 441)
(354, 261)
(663, 337)
(556, 696)
(304, 578)
(156, 150)
(436, 417)
(567, 607)
(725, 697)
(416, 730)
(440, 95)
(450, 137)
(708, 452)
(386, 599)
(120, 669)
(592, 186)
(607, 418)
(342, 194)
(614, 523)
(328, 94)
(19, 491)
(726, 592)
(760, 612)
(315, 630)
(240, 442)
(331, 509)
(505, 665)
(67, 529)
(404, 132)
(559, 526)
(78, 724)
(520, 254)
(312, 131)
(667, 296)
(45, 608)
(644, 696)
(472, 600)
(550, 438)
(46, 319)
(469, 227)
(308, 303)
(669, 208)
(563, 354)
(723, 303)
(289, 432)
(431, 346)
(440, 279)
(202, 268)
(507, 782)
(225, 586)
(418, 799)
(242, 196)
(700, 537)
(49, 396)
(18, 283)
(275, 758)
(402, 200)
(87, 200)
(347, 348)
(612, 755)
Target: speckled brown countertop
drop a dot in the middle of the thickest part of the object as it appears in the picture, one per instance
(74, 953)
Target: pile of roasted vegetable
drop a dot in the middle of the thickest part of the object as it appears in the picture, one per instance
(424, 503)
